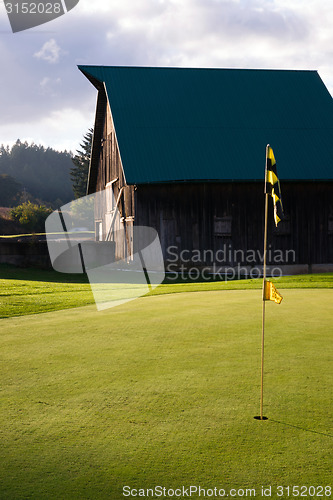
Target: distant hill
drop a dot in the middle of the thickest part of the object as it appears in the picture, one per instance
(42, 172)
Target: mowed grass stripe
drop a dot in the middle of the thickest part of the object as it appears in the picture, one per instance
(163, 390)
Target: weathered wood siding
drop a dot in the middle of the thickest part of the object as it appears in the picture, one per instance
(110, 177)
(230, 216)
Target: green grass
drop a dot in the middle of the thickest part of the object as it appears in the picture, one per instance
(30, 291)
(163, 391)
(324, 280)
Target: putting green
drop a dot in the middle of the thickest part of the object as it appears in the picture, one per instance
(163, 391)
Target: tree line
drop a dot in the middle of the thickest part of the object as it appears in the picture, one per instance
(31, 172)
(33, 177)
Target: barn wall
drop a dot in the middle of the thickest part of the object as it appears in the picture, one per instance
(228, 220)
(110, 177)
(224, 219)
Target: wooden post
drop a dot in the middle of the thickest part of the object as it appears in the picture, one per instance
(263, 294)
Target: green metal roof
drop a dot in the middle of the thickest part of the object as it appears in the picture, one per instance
(183, 124)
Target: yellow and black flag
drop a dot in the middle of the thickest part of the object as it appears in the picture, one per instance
(271, 293)
(273, 185)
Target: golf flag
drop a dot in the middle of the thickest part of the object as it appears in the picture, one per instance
(273, 185)
(271, 293)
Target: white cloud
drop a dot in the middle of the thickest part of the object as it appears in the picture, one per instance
(62, 129)
(294, 34)
(49, 86)
(50, 52)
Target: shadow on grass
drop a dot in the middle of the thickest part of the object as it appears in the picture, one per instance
(11, 272)
(301, 428)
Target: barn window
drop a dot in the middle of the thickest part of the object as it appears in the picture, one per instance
(109, 196)
(222, 226)
(330, 224)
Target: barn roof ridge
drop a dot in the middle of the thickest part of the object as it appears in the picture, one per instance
(85, 67)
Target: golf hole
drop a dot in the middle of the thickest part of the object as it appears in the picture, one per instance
(259, 418)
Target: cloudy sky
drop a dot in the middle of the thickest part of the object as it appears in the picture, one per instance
(45, 98)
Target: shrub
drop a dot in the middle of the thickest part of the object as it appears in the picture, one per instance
(31, 216)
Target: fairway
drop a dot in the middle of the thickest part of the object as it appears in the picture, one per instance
(163, 391)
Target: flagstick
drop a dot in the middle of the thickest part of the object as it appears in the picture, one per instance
(263, 295)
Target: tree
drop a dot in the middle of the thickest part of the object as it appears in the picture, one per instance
(82, 211)
(9, 190)
(79, 173)
(32, 217)
(44, 173)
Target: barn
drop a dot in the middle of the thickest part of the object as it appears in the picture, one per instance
(182, 150)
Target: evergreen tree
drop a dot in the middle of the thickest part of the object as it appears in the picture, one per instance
(10, 190)
(44, 173)
(79, 173)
